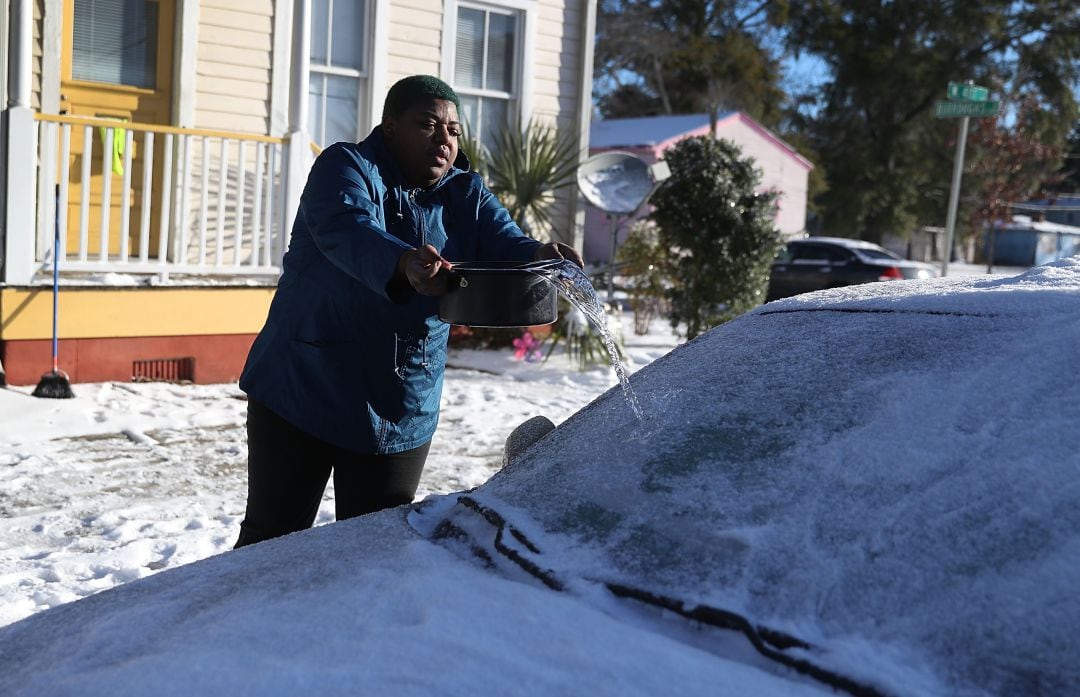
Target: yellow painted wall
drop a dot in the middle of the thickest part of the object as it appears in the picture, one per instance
(26, 313)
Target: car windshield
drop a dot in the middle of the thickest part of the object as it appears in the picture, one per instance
(829, 469)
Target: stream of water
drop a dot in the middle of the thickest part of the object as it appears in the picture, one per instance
(576, 287)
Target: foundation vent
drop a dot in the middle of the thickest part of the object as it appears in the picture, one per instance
(164, 370)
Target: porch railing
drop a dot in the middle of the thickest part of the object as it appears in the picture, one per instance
(144, 199)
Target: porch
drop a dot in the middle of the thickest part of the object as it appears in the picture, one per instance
(149, 204)
(169, 245)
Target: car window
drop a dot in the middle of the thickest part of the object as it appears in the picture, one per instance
(871, 253)
(813, 253)
(783, 255)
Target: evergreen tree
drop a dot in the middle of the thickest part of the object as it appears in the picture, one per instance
(688, 56)
(885, 155)
(719, 231)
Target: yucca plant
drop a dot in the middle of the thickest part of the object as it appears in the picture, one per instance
(524, 169)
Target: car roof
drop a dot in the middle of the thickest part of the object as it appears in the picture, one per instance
(841, 241)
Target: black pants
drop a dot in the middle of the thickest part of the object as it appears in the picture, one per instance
(288, 471)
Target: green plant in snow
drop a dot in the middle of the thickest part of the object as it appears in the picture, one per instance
(584, 343)
(719, 233)
(644, 263)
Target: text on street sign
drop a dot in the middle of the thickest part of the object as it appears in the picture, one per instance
(971, 93)
(945, 110)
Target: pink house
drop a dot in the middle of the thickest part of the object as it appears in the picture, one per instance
(782, 167)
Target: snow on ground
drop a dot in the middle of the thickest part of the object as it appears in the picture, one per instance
(128, 479)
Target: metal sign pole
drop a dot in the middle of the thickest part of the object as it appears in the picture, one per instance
(954, 196)
(611, 262)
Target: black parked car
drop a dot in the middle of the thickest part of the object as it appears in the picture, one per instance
(816, 263)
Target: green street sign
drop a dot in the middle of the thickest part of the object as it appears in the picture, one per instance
(947, 110)
(971, 93)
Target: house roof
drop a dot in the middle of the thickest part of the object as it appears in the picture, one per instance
(1026, 221)
(646, 130)
(653, 131)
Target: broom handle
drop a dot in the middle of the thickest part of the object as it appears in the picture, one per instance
(56, 283)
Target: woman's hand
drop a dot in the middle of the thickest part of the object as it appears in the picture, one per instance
(558, 250)
(425, 270)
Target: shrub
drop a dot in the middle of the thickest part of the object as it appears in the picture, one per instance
(718, 233)
(644, 264)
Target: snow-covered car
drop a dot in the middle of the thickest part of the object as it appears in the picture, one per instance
(870, 490)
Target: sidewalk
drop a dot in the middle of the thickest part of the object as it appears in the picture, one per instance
(959, 268)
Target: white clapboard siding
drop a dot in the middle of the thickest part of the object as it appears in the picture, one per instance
(415, 39)
(233, 65)
(36, 53)
(555, 89)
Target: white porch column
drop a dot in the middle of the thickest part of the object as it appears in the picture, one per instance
(575, 237)
(298, 160)
(20, 189)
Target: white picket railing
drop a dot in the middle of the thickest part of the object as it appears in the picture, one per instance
(180, 201)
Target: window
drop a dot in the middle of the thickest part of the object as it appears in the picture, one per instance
(818, 253)
(115, 41)
(871, 253)
(338, 69)
(486, 67)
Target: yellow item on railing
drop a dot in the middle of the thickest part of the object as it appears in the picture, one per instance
(119, 136)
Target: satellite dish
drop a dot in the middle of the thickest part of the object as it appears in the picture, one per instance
(619, 184)
(615, 182)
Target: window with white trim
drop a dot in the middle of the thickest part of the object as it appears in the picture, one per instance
(487, 66)
(338, 68)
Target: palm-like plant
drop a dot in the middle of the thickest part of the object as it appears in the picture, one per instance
(524, 169)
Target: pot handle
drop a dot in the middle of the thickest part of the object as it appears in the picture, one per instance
(455, 280)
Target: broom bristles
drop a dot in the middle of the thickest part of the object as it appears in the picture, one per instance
(54, 385)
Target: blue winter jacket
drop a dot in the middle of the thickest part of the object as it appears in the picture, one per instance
(338, 358)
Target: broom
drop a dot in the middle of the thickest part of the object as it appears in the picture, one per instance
(54, 384)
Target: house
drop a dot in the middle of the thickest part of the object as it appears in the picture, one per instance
(1025, 241)
(783, 168)
(166, 142)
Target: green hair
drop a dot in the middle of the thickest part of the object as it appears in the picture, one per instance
(409, 90)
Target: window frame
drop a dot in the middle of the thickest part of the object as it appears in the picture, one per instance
(163, 29)
(362, 75)
(526, 11)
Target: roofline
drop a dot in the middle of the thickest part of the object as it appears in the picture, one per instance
(727, 117)
(752, 123)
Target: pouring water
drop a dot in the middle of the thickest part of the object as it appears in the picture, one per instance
(575, 286)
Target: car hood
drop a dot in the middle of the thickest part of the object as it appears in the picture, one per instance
(886, 465)
(361, 607)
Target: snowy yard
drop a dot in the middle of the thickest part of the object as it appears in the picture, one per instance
(131, 478)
